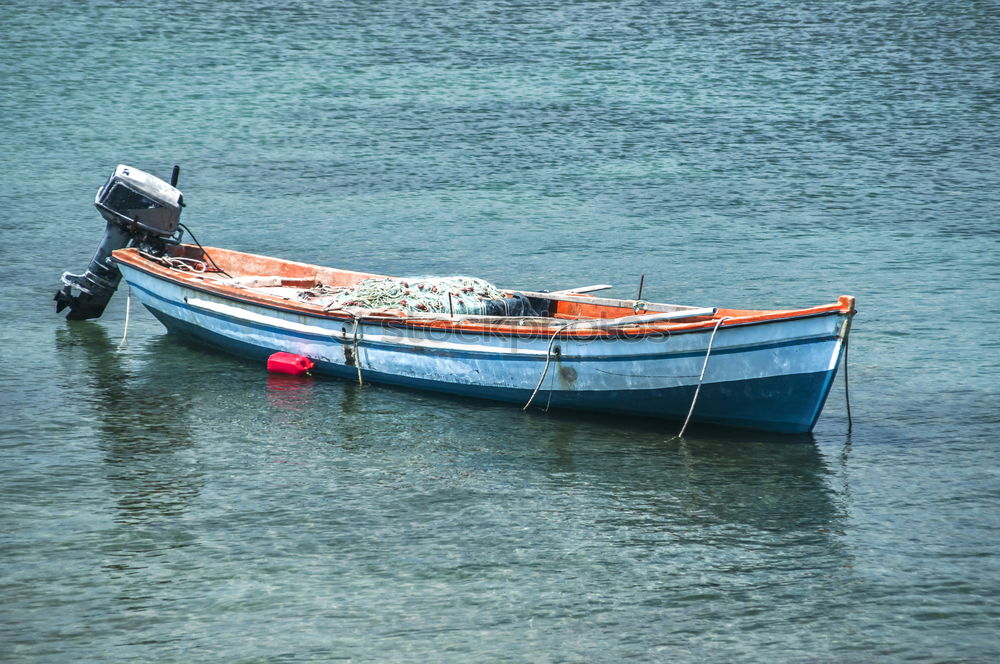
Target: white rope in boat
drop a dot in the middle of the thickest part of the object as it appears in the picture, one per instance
(178, 262)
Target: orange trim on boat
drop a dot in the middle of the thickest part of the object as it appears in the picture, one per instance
(303, 275)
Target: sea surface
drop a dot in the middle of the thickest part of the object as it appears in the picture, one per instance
(162, 502)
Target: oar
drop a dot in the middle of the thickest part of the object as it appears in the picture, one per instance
(604, 323)
(582, 289)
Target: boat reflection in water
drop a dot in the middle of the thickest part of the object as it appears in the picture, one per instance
(141, 415)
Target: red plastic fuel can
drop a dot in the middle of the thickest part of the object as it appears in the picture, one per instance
(289, 363)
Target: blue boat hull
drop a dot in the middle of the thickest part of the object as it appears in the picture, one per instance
(783, 404)
(773, 376)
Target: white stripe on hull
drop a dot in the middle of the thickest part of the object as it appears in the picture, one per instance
(763, 350)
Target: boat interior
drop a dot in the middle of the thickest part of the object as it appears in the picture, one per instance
(267, 279)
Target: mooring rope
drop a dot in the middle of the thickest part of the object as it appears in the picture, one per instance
(701, 378)
(357, 358)
(847, 389)
(354, 335)
(548, 360)
(128, 311)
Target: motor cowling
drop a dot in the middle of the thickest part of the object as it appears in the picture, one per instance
(140, 210)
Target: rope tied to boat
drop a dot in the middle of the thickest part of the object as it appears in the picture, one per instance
(548, 361)
(128, 313)
(847, 388)
(701, 377)
(357, 359)
(354, 336)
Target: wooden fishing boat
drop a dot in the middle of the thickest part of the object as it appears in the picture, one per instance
(763, 369)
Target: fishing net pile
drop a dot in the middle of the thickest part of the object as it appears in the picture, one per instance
(458, 295)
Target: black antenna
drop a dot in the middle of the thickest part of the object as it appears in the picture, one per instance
(175, 175)
(642, 278)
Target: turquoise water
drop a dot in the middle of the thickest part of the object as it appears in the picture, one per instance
(166, 503)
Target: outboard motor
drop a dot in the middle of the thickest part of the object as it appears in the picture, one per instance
(142, 211)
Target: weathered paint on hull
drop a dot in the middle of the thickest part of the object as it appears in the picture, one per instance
(773, 376)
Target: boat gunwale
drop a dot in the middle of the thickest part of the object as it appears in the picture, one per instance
(467, 324)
